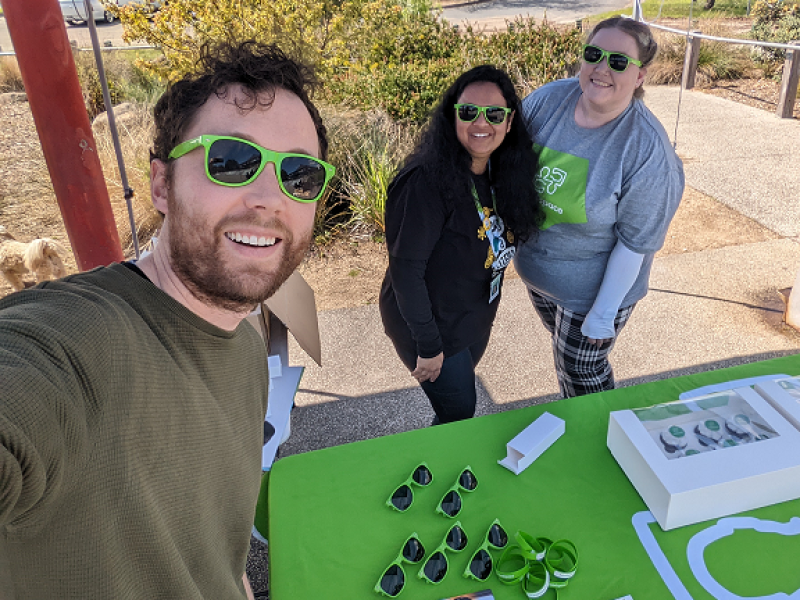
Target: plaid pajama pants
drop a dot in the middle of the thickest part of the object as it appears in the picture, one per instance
(582, 368)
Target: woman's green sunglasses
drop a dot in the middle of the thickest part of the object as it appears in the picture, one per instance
(234, 162)
(617, 61)
(493, 114)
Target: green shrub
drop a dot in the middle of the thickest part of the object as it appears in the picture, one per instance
(534, 54)
(776, 22)
(90, 81)
(397, 56)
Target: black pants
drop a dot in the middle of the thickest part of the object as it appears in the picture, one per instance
(452, 395)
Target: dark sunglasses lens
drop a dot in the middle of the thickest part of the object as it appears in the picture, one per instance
(467, 480)
(436, 567)
(402, 497)
(413, 551)
(422, 475)
(592, 54)
(456, 538)
(393, 580)
(302, 177)
(468, 113)
(451, 503)
(481, 565)
(231, 161)
(618, 62)
(498, 536)
(495, 116)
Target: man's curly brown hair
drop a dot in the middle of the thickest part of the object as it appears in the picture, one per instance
(258, 68)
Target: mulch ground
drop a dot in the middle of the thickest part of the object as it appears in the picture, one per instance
(760, 93)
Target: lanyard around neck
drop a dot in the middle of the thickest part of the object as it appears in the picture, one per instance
(481, 214)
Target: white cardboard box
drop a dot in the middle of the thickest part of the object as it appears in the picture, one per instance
(294, 305)
(784, 395)
(529, 444)
(697, 483)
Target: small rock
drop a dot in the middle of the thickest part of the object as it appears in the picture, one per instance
(123, 114)
(13, 97)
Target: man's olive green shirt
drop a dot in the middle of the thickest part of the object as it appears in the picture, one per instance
(130, 443)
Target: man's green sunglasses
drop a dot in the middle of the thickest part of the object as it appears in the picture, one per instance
(234, 162)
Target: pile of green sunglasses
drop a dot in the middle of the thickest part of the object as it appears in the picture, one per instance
(436, 566)
(451, 503)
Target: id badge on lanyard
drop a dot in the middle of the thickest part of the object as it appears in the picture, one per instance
(494, 286)
(497, 276)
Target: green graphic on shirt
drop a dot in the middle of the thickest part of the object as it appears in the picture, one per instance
(561, 185)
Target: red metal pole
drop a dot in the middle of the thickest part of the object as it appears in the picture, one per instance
(44, 55)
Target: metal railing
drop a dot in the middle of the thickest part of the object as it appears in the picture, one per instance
(703, 36)
(102, 49)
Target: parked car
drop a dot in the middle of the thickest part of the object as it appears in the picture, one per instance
(74, 11)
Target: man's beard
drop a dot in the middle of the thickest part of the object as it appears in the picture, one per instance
(197, 259)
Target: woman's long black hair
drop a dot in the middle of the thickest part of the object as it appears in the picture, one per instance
(513, 165)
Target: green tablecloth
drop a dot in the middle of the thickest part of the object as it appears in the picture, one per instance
(331, 535)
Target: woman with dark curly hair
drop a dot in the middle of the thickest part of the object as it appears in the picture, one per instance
(454, 215)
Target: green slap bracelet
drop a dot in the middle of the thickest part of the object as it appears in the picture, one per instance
(532, 548)
(512, 566)
(562, 562)
(536, 581)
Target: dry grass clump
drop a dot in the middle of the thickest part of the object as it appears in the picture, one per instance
(10, 76)
(135, 127)
(717, 60)
(367, 148)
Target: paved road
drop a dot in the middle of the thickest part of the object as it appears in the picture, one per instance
(495, 13)
(105, 32)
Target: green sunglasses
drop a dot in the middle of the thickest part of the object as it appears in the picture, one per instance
(234, 162)
(436, 565)
(617, 61)
(481, 564)
(393, 579)
(450, 504)
(495, 115)
(403, 496)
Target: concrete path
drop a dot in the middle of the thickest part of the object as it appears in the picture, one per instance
(706, 310)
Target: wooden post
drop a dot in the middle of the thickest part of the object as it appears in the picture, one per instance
(44, 55)
(792, 297)
(690, 60)
(789, 82)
